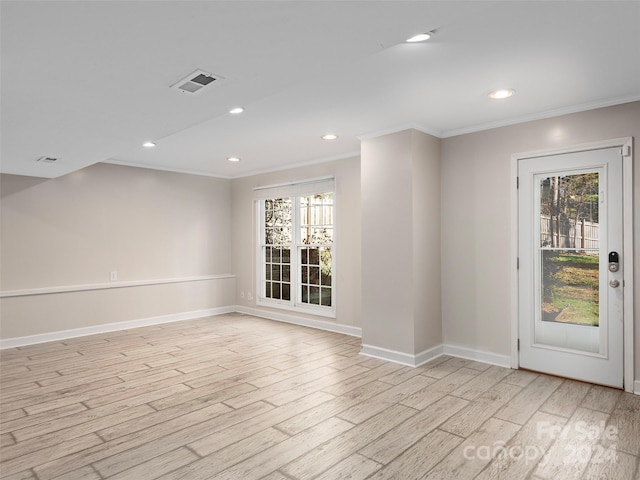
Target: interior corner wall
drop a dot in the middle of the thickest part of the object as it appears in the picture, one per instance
(348, 259)
(69, 233)
(476, 216)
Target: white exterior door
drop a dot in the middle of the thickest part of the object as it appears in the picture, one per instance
(570, 296)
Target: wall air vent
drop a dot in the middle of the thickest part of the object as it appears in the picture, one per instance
(195, 82)
(47, 160)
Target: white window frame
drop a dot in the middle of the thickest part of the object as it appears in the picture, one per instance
(295, 191)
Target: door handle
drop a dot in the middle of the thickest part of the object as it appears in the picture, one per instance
(614, 283)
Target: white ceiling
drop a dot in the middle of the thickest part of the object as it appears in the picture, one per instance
(88, 81)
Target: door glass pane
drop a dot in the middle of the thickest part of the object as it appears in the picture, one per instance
(568, 258)
(570, 287)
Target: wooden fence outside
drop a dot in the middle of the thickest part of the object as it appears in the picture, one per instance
(564, 233)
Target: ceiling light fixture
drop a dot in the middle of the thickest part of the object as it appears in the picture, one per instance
(329, 136)
(421, 37)
(233, 159)
(236, 110)
(148, 144)
(501, 94)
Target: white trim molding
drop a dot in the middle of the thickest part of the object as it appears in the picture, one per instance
(628, 266)
(111, 327)
(105, 286)
(402, 358)
(305, 322)
(540, 116)
(435, 352)
(478, 355)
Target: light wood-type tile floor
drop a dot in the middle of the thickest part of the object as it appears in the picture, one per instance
(238, 397)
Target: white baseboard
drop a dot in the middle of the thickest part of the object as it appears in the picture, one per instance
(423, 357)
(111, 327)
(478, 355)
(400, 357)
(636, 387)
(306, 322)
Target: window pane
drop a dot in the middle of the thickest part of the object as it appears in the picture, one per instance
(316, 219)
(314, 295)
(276, 255)
(325, 265)
(325, 297)
(569, 248)
(305, 274)
(314, 256)
(321, 199)
(278, 236)
(267, 289)
(275, 272)
(304, 259)
(570, 287)
(286, 255)
(267, 271)
(267, 254)
(314, 275)
(322, 235)
(316, 235)
(286, 291)
(305, 294)
(275, 290)
(569, 211)
(286, 273)
(278, 211)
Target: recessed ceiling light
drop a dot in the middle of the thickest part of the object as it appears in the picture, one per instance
(233, 159)
(236, 110)
(148, 144)
(329, 136)
(501, 94)
(421, 37)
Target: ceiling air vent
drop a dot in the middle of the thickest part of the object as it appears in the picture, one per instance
(47, 159)
(195, 82)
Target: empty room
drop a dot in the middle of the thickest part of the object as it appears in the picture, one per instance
(296, 240)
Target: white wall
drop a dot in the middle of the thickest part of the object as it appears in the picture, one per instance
(348, 264)
(476, 191)
(74, 230)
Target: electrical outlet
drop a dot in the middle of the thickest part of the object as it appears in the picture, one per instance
(241, 294)
(113, 276)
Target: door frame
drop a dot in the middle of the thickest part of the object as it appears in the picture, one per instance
(626, 143)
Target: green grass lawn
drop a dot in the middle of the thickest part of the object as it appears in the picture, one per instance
(570, 288)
